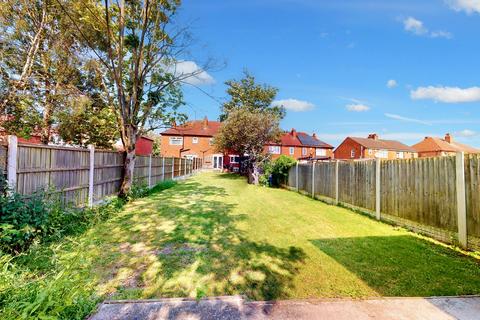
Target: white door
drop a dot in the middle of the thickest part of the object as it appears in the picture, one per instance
(217, 162)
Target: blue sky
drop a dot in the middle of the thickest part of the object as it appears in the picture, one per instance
(402, 69)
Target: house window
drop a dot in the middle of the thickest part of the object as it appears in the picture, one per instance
(400, 155)
(352, 153)
(383, 154)
(195, 140)
(304, 151)
(370, 152)
(291, 150)
(176, 141)
(320, 152)
(274, 149)
(234, 159)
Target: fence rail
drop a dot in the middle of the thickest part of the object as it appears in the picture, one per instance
(82, 176)
(436, 196)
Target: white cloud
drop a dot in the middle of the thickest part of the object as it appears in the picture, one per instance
(466, 133)
(392, 83)
(469, 6)
(405, 119)
(447, 94)
(413, 25)
(294, 105)
(193, 73)
(357, 107)
(417, 27)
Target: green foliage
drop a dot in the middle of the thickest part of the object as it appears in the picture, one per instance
(246, 94)
(277, 170)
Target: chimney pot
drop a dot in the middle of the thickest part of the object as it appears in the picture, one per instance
(294, 132)
(373, 136)
(448, 138)
(205, 122)
(314, 135)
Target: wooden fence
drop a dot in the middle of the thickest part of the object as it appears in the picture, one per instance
(82, 176)
(438, 196)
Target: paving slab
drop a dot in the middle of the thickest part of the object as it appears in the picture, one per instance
(236, 307)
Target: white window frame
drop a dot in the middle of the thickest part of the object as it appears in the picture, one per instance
(400, 155)
(274, 149)
(194, 140)
(175, 141)
(304, 151)
(352, 153)
(291, 150)
(320, 152)
(382, 154)
(232, 158)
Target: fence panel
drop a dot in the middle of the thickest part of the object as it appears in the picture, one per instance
(63, 169)
(157, 170)
(420, 190)
(305, 177)
(472, 181)
(3, 159)
(325, 179)
(356, 183)
(140, 172)
(107, 173)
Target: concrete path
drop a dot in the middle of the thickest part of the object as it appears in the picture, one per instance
(235, 307)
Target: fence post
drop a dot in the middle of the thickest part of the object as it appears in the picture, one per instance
(461, 202)
(313, 179)
(185, 168)
(173, 167)
(377, 188)
(336, 182)
(150, 171)
(296, 176)
(12, 162)
(163, 168)
(91, 175)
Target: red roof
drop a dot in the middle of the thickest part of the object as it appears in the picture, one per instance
(433, 144)
(204, 128)
(301, 139)
(380, 144)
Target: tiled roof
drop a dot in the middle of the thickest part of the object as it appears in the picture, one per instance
(195, 128)
(434, 144)
(301, 139)
(379, 144)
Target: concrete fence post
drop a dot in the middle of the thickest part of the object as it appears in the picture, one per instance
(461, 201)
(296, 176)
(163, 168)
(173, 167)
(12, 162)
(313, 179)
(150, 171)
(91, 175)
(336, 182)
(377, 187)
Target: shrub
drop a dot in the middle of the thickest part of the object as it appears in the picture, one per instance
(280, 169)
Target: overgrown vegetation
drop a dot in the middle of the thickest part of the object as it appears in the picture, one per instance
(42, 275)
(275, 173)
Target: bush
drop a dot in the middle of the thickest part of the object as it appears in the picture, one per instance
(275, 172)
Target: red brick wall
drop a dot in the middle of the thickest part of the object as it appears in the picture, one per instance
(200, 149)
(343, 151)
(285, 150)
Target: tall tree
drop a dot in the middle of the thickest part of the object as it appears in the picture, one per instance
(247, 132)
(247, 94)
(138, 47)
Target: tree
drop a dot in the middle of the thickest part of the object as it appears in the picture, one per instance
(246, 94)
(138, 47)
(39, 65)
(246, 132)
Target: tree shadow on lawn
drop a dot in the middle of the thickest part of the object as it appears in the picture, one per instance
(405, 265)
(203, 253)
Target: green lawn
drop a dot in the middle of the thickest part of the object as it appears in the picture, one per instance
(216, 235)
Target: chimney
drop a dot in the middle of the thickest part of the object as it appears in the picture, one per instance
(448, 138)
(293, 132)
(373, 136)
(174, 124)
(205, 122)
(314, 135)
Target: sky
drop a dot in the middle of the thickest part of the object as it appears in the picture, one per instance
(402, 69)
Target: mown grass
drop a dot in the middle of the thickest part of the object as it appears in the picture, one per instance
(215, 235)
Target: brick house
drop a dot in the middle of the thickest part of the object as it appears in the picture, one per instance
(195, 140)
(434, 147)
(373, 147)
(301, 146)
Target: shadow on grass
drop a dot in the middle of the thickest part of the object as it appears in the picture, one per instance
(203, 242)
(231, 176)
(405, 265)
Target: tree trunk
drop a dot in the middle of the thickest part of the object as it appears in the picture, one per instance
(130, 142)
(254, 174)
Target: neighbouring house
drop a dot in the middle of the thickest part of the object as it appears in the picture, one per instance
(194, 139)
(373, 147)
(35, 137)
(143, 146)
(301, 146)
(434, 147)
